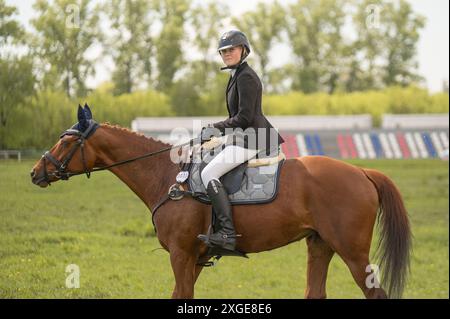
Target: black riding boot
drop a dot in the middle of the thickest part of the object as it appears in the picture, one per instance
(226, 236)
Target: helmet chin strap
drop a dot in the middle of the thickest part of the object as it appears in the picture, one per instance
(231, 67)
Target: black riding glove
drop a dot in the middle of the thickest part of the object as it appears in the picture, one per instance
(208, 132)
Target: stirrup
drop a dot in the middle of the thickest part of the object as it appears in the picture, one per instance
(207, 238)
(220, 251)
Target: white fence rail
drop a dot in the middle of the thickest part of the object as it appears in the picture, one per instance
(282, 123)
(6, 154)
(415, 121)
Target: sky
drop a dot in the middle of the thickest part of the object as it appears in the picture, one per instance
(433, 46)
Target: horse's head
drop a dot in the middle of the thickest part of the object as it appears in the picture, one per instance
(71, 155)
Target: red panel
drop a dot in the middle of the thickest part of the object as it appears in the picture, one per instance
(285, 146)
(342, 147)
(351, 146)
(285, 149)
(289, 147)
(294, 146)
(403, 145)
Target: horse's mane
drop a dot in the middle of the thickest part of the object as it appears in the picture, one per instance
(139, 135)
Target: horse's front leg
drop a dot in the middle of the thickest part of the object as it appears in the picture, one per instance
(183, 266)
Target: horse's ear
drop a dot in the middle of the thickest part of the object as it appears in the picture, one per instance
(88, 111)
(82, 121)
(81, 114)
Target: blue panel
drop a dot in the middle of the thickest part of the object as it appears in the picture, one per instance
(309, 145)
(376, 145)
(318, 145)
(429, 144)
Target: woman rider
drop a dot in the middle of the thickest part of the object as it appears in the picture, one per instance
(243, 98)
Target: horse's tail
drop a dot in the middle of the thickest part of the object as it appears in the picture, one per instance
(394, 246)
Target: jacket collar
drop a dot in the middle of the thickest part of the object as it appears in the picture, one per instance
(233, 79)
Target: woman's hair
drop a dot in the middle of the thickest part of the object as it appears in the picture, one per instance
(244, 52)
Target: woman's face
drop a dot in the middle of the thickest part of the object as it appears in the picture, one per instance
(231, 56)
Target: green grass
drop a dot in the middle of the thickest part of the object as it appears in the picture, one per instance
(101, 226)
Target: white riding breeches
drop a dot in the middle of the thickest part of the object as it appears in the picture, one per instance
(229, 158)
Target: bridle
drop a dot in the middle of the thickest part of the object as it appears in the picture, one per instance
(61, 166)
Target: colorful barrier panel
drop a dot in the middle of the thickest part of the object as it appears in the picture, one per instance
(369, 145)
(364, 145)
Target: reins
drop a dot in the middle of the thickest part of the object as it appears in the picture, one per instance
(97, 169)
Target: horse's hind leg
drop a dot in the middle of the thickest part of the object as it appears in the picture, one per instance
(364, 276)
(319, 257)
(354, 251)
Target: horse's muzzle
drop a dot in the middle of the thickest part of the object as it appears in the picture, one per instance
(38, 179)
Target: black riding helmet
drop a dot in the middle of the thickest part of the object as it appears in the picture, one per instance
(232, 39)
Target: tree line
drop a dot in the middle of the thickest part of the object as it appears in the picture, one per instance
(148, 42)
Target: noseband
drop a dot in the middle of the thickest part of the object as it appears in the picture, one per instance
(61, 166)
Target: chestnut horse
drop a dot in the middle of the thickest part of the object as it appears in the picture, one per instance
(334, 205)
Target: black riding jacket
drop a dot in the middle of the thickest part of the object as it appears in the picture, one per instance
(243, 97)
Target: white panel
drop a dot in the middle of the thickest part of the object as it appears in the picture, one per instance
(359, 145)
(412, 145)
(420, 145)
(301, 145)
(444, 139)
(437, 143)
(385, 146)
(394, 145)
(368, 144)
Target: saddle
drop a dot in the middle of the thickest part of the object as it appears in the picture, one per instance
(252, 182)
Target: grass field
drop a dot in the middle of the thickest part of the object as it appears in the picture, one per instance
(102, 227)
